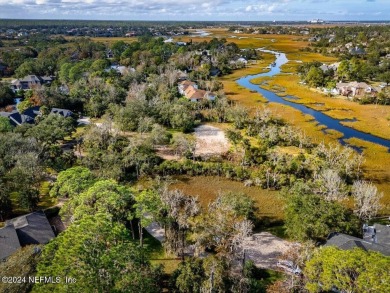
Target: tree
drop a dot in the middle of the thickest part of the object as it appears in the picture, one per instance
(239, 116)
(315, 77)
(310, 216)
(99, 65)
(53, 128)
(223, 228)
(24, 105)
(181, 118)
(5, 125)
(184, 145)
(159, 135)
(367, 199)
(242, 204)
(330, 185)
(6, 95)
(96, 94)
(70, 183)
(118, 48)
(5, 201)
(104, 196)
(189, 276)
(343, 71)
(147, 204)
(347, 271)
(96, 251)
(27, 175)
(180, 211)
(385, 77)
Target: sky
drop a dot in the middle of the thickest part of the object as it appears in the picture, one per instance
(195, 10)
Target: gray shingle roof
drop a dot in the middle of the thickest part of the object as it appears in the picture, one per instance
(33, 228)
(382, 234)
(63, 112)
(9, 241)
(346, 242)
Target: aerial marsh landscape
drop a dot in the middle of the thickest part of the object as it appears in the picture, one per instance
(195, 156)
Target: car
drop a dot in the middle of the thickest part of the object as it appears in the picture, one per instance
(289, 267)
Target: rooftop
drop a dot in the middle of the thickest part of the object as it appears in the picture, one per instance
(346, 242)
(32, 228)
(9, 241)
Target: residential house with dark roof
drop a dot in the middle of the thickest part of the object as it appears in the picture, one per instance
(28, 115)
(25, 230)
(32, 228)
(9, 242)
(63, 112)
(30, 81)
(375, 238)
(17, 118)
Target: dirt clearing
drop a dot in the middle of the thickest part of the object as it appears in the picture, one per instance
(210, 140)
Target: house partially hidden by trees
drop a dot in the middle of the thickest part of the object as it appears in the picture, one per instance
(17, 117)
(190, 90)
(29, 229)
(375, 238)
(30, 81)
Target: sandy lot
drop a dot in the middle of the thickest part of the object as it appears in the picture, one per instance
(264, 249)
(210, 140)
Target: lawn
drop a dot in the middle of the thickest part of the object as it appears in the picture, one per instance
(45, 200)
(157, 255)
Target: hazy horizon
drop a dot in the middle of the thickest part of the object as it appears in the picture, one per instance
(195, 10)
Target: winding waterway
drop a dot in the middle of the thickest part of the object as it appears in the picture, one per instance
(320, 117)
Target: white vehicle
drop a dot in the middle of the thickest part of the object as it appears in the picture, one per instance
(289, 267)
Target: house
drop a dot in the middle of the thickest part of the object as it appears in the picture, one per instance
(63, 112)
(357, 51)
(30, 81)
(16, 118)
(190, 90)
(29, 229)
(376, 238)
(333, 66)
(324, 67)
(355, 89)
(28, 116)
(196, 95)
(122, 70)
(242, 60)
(183, 85)
(109, 54)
